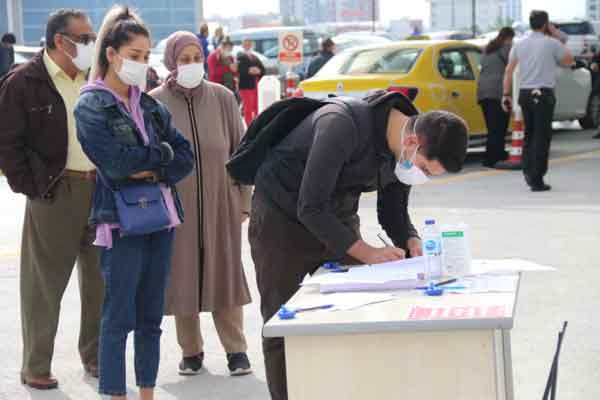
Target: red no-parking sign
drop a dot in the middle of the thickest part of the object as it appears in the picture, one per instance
(290, 47)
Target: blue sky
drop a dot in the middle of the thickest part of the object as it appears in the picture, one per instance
(392, 9)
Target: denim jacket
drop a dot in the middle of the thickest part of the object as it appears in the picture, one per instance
(111, 140)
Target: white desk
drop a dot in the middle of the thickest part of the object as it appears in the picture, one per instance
(453, 347)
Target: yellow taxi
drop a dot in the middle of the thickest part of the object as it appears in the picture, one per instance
(435, 75)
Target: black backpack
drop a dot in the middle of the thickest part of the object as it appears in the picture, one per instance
(279, 120)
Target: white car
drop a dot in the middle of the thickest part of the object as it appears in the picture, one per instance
(575, 100)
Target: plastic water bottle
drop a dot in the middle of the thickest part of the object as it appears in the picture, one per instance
(432, 248)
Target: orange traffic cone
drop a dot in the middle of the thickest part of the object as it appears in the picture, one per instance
(515, 157)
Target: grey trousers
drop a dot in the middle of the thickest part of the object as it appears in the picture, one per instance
(56, 235)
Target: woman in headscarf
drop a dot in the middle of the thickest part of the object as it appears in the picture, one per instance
(207, 273)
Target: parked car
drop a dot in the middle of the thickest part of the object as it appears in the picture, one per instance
(445, 35)
(266, 41)
(434, 75)
(575, 97)
(581, 35)
(347, 41)
(25, 53)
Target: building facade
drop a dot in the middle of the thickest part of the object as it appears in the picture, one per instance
(162, 16)
(458, 14)
(320, 11)
(592, 10)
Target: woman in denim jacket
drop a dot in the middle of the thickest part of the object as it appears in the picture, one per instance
(130, 138)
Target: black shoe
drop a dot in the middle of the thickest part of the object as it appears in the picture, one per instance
(238, 364)
(542, 187)
(596, 136)
(191, 365)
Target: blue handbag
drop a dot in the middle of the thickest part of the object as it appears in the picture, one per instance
(142, 209)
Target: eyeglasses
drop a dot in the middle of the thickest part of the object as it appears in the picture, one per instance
(84, 38)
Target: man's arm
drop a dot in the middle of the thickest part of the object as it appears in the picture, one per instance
(14, 161)
(562, 54)
(393, 216)
(333, 145)
(508, 76)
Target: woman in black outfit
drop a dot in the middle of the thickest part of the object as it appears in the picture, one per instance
(489, 95)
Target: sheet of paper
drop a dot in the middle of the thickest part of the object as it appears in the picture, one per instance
(345, 301)
(507, 266)
(402, 274)
(488, 283)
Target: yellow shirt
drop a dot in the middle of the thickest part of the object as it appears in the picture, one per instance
(69, 90)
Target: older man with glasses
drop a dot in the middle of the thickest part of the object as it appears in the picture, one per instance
(42, 158)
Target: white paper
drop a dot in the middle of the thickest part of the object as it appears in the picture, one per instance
(507, 266)
(395, 275)
(486, 284)
(344, 301)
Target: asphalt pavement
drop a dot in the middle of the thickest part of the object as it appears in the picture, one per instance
(558, 228)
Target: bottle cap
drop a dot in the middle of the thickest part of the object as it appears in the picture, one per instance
(430, 222)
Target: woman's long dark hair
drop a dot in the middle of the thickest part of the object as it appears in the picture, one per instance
(504, 34)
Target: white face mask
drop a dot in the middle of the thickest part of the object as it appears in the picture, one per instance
(85, 54)
(133, 73)
(406, 171)
(190, 76)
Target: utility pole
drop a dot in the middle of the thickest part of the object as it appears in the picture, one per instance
(199, 13)
(373, 13)
(474, 17)
(453, 14)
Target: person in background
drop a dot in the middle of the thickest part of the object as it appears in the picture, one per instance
(203, 38)
(222, 66)
(130, 138)
(537, 56)
(327, 52)
(251, 69)
(207, 273)
(42, 158)
(489, 95)
(7, 53)
(152, 80)
(217, 37)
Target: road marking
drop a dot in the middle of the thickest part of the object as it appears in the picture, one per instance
(481, 174)
(460, 178)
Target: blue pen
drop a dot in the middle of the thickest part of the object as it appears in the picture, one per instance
(290, 313)
(459, 287)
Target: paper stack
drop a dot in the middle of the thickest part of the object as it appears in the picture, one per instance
(388, 276)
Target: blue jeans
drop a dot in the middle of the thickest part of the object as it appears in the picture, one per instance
(135, 274)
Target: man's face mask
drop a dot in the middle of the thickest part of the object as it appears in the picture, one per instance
(406, 171)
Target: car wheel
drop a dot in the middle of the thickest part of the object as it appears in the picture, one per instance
(592, 119)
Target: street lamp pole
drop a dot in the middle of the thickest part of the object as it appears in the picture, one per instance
(373, 13)
(474, 17)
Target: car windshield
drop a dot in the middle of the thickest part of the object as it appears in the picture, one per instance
(378, 61)
(576, 28)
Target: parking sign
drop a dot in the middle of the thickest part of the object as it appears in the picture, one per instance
(290, 47)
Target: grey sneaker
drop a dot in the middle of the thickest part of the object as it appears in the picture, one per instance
(191, 365)
(238, 364)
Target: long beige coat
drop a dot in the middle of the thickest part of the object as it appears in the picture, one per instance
(212, 259)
